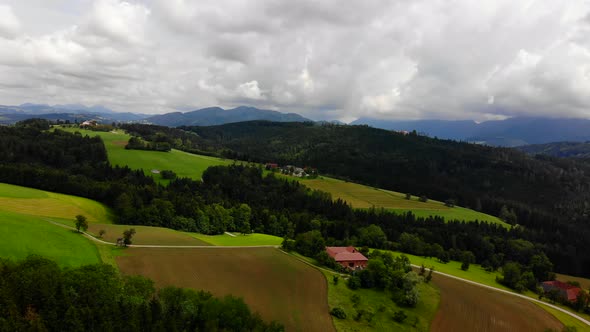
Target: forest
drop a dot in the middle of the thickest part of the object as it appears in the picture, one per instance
(37, 295)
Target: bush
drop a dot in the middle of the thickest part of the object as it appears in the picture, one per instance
(399, 316)
(354, 282)
(169, 175)
(338, 313)
(423, 199)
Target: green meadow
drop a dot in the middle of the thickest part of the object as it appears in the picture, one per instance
(28, 201)
(363, 197)
(254, 239)
(184, 164)
(23, 235)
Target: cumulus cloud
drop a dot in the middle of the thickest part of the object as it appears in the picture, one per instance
(388, 59)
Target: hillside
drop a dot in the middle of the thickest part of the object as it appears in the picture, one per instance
(216, 115)
(479, 177)
(559, 149)
(184, 164)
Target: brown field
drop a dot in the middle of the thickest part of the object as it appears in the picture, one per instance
(584, 283)
(146, 235)
(276, 285)
(470, 308)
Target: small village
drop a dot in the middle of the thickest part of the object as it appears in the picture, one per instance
(299, 172)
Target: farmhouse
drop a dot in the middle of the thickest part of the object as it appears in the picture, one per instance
(271, 166)
(565, 291)
(348, 257)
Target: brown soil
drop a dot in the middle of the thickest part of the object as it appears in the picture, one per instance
(120, 143)
(277, 286)
(470, 308)
(146, 235)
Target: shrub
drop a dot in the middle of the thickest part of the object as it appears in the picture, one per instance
(399, 316)
(354, 282)
(169, 175)
(338, 313)
(423, 199)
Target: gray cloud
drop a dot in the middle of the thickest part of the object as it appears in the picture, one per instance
(325, 60)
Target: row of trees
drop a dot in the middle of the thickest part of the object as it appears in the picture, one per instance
(37, 295)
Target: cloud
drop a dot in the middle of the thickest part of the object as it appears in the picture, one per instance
(387, 59)
(250, 90)
(9, 23)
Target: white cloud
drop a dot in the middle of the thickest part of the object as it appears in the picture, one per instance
(390, 59)
(9, 23)
(250, 90)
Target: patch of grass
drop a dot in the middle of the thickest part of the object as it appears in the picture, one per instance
(380, 308)
(584, 282)
(35, 202)
(362, 197)
(182, 163)
(565, 319)
(23, 235)
(254, 239)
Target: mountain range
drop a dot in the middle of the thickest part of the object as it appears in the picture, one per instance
(215, 116)
(511, 132)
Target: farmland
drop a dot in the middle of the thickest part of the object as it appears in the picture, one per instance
(22, 235)
(146, 235)
(466, 307)
(360, 196)
(276, 285)
(35, 202)
(184, 164)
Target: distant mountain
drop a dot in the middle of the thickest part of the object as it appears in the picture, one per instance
(510, 132)
(215, 116)
(559, 149)
(71, 112)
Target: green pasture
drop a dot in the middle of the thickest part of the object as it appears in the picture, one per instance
(254, 239)
(182, 163)
(363, 197)
(36, 202)
(23, 235)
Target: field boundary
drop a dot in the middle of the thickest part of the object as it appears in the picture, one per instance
(93, 238)
(511, 293)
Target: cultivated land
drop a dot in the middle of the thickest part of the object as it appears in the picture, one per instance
(146, 235)
(272, 283)
(360, 196)
(35, 202)
(254, 239)
(184, 164)
(584, 283)
(466, 307)
(22, 235)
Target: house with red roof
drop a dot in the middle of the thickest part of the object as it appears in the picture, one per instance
(566, 291)
(348, 257)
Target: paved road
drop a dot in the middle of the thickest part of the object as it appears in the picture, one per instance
(417, 266)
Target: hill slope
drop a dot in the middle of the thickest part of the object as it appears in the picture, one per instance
(559, 149)
(216, 115)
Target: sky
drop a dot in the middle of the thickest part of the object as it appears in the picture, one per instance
(326, 60)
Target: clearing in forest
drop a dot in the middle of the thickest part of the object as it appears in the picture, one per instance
(182, 163)
(272, 283)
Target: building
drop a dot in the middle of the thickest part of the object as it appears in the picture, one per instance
(348, 257)
(565, 291)
(271, 166)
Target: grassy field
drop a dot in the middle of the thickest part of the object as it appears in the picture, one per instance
(43, 203)
(276, 285)
(566, 320)
(360, 196)
(22, 235)
(466, 307)
(184, 164)
(381, 308)
(254, 239)
(146, 235)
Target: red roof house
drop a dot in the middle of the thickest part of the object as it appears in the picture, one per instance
(566, 291)
(348, 257)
